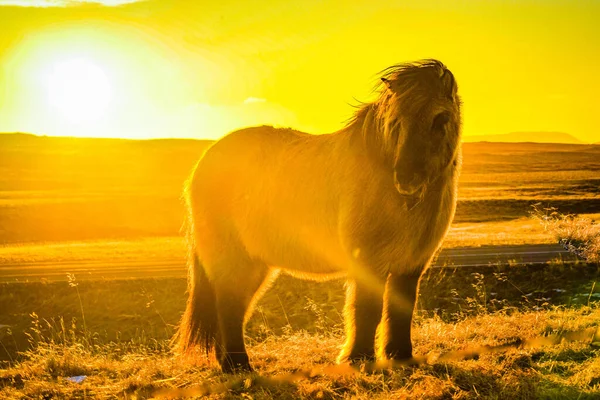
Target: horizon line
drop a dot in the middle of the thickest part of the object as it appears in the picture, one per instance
(580, 142)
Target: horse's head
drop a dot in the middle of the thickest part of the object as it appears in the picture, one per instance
(420, 123)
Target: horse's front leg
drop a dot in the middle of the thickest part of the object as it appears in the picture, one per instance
(401, 293)
(363, 310)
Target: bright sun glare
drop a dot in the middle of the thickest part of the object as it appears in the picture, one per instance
(79, 89)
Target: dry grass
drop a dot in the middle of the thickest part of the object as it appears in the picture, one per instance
(515, 232)
(578, 233)
(123, 347)
(107, 250)
(567, 370)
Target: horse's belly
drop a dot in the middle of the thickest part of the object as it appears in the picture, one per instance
(295, 249)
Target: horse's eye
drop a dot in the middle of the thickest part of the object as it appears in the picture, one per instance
(440, 120)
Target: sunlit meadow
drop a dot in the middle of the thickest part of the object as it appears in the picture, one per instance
(107, 105)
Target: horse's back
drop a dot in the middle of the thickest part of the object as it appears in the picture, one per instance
(245, 145)
(234, 162)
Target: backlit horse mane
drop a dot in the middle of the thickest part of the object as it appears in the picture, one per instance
(372, 202)
(414, 83)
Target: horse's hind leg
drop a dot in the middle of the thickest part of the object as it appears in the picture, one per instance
(363, 310)
(401, 294)
(236, 292)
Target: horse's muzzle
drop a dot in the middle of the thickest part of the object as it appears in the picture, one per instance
(408, 184)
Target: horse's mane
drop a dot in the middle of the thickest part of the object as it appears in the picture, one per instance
(412, 84)
(408, 75)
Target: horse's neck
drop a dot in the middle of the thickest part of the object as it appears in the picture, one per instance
(366, 137)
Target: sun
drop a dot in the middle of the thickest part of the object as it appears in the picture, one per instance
(79, 90)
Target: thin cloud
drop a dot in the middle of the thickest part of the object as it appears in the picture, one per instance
(253, 100)
(65, 3)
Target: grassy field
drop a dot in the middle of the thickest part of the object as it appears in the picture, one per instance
(116, 333)
(70, 200)
(570, 370)
(57, 189)
(120, 309)
(518, 231)
(54, 189)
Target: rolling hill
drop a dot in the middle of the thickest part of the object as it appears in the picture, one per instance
(521, 137)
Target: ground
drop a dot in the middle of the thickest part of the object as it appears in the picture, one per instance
(72, 200)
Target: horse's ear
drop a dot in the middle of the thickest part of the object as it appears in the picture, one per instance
(387, 82)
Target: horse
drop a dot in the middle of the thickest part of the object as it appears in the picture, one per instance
(371, 202)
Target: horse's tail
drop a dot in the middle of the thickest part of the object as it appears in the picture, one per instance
(199, 323)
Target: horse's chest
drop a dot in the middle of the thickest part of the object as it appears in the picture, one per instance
(407, 239)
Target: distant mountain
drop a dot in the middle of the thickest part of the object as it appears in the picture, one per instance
(535, 137)
(17, 136)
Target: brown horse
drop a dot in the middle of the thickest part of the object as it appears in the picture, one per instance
(372, 202)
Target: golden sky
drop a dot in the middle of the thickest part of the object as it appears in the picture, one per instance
(159, 68)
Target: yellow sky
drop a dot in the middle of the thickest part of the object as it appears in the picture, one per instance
(146, 69)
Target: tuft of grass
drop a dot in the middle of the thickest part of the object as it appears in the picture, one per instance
(580, 234)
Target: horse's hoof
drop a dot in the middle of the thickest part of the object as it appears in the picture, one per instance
(357, 359)
(361, 360)
(235, 363)
(240, 368)
(406, 361)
